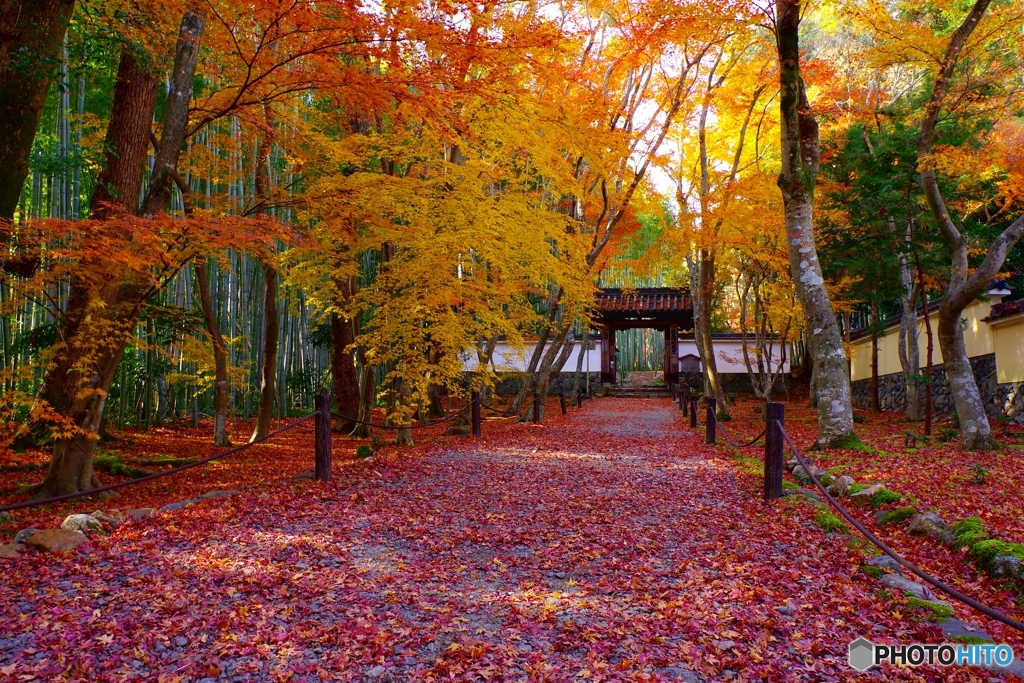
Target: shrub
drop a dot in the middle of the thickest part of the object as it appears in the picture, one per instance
(364, 451)
(979, 475)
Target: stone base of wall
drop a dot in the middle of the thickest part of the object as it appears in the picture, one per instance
(999, 399)
(732, 382)
(508, 383)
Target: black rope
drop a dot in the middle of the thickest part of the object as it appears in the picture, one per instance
(506, 413)
(732, 443)
(948, 590)
(173, 470)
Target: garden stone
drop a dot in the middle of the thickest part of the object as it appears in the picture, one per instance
(140, 513)
(171, 507)
(83, 524)
(57, 540)
(812, 495)
(221, 493)
(841, 486)
(6, 518)
(863, 497)
(792, 463)
(22, 536)
(954, 628)
(1007, 567)
(11, 551)
(928, 524)
(916, 589)
(800, 473)
(110, 520)
(887, 563)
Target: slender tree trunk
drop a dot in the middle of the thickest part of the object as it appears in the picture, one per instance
(928, 406)
(909, 352)
(222, 386)
(175, 123)
(31, 35)
(799, 144)
(268, 373)
(874, 357)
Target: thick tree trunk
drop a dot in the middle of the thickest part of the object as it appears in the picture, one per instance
(127, 143)
(367, 397)
(343, 370)
(175, 123)
(702, 320)
(962, 289)
(68, 388)
(799, 146)
(222, 386)
(31, 35)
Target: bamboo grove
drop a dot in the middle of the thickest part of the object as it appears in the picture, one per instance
(213, 208)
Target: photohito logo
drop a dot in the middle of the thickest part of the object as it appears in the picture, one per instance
(864, 654)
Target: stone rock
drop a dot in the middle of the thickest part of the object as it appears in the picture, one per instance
(863, 497)
(927, 524)
(800, 473)
(954, 628)
(23, 535)
(139, 513)
(841, 486)
(791, 463)
(1007, 567)
(110, 520)
(6, 518)
(220, 494)
(57, 540)
(181, 641)
(887, 563)
(10, 551)
(84, 524)
(916, 589)
(171, 507)
(788, 608)
(811, 495)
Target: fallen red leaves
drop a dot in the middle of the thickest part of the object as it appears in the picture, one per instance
(607, 545)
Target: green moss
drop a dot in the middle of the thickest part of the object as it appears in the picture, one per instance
(117, 466)
(174, 462)
(984, 552)
(364, 451)
(896, 516)
(967, 532)
(723, 416)
(884, 496)
(857, 488)
(970, 640)
(938, 610)
(872, 571)
(848, 442)
(789, 486)
(830, 522)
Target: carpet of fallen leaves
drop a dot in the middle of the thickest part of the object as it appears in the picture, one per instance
(609, 544)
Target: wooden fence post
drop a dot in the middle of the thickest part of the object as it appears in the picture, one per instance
(684, 400)
(536, 407)
(712, 421)
(561, 402)
(579, 399)
(774, 413)
(693, 411)
(475, 413)
(322, 448)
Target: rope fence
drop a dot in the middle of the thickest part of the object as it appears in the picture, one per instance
(775, 440)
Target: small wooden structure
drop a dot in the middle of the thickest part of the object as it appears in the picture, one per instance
(661, 308)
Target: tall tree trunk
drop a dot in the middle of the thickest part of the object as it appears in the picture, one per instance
(961, 290)
(222, 386)
(175, 123)
(127, 143)
(799, 145)
(31, 36)
(928, 405)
